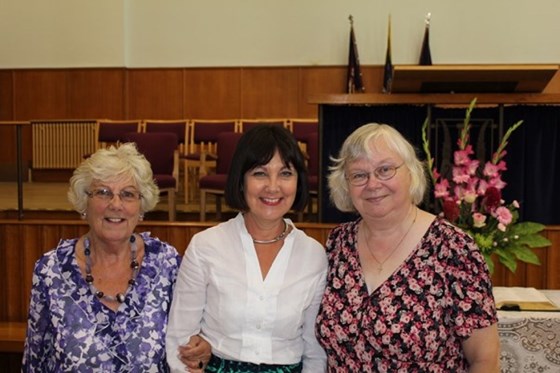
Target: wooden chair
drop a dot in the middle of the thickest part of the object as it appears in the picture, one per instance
(246, 124)
(201, 153)
(215, 184)
(160, 149)
(111, 132)
(311, 141)
(179, 127)
(302, 128)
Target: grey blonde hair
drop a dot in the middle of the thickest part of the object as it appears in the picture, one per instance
(356, 146)
(111, 164)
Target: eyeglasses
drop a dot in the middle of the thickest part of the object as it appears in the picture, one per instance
(107, 195)
(382, 173)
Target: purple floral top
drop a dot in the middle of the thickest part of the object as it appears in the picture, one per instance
(70, 330)
(416, 320)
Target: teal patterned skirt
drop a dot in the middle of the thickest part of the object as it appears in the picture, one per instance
(218, 365)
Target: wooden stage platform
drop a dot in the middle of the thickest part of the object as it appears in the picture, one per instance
(47, 200)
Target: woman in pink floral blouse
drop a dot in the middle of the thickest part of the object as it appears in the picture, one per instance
(406, 291)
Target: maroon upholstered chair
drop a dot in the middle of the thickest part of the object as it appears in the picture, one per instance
(201, 153)
(215, 184)
(110, 132)
(247, 124)
(160, 149)
(179, 127)
(303, 127)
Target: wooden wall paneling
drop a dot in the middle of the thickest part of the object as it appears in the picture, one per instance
(6, 95)
(25, 241)
(552, 263)
(318, 80)
(13, 292)
(373, 78)
(8, 148)
(213, 93)
(177, 235)
(40, 94)
(155, 94)
(96, 93)
(4, 265)
(269, 93)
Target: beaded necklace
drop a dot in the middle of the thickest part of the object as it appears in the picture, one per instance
(133, 265)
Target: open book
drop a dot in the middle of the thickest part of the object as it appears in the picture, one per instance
(524, 299)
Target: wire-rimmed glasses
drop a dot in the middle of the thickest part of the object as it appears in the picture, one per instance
(107, 195)
(383, 173)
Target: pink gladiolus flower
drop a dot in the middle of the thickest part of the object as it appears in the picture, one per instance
(493, 170)
(472, 166)
(441, 189)
(482, 186)
(460, 175)
(479, 220)
(503, 215)
(497, 183)
(462, 157)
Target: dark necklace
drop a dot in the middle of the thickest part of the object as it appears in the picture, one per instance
(133, 265)
(281, 236)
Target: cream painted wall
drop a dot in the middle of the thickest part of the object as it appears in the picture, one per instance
(191, 33)
(61, 33)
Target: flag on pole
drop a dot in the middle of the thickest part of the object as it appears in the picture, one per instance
(388, 70)
(354, 76)
(425, 54)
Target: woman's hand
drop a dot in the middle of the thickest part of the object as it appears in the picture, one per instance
(195, 354)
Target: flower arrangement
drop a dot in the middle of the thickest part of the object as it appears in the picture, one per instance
(472, 200)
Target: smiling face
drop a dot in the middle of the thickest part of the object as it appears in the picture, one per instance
(113, 220)
(270, 189)
(379, 198)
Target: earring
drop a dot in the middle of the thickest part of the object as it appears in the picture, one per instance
(141, 217)
(83, 214)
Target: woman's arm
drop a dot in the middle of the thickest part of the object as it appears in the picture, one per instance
(189, 299)
(314, 357)
(38, 341)
(482, 350)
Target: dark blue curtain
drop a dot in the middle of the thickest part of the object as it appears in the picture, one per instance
(533, 157)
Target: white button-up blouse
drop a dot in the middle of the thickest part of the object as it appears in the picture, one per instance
(221, 294)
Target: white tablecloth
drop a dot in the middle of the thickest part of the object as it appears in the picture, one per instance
(530, 341)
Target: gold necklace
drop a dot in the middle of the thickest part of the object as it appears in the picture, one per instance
(380, 264)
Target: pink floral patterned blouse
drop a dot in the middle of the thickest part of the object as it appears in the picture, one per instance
(416, 320)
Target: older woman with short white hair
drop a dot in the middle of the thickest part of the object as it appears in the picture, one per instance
(100, 302)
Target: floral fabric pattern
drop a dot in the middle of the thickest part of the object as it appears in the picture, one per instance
(70, 330)
(416, 320)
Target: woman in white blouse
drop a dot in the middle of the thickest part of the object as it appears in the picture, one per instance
(251, 286)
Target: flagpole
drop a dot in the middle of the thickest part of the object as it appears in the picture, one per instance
(354, 82)
(388, 68)
(425, 54)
